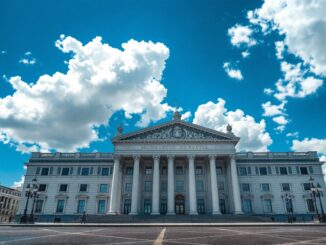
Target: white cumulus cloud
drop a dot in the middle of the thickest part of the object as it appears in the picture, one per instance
(62, 111)
(232, 72)
(241, 36)
(253, 134)
(18, 184)
(28, 59)
(273, 110)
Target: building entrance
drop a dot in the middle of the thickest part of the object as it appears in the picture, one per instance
(179, 204)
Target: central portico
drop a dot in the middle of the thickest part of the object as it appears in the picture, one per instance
(174, 154)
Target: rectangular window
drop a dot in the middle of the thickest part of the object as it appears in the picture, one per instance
(179, 185)
(267, 203)
(65, 171)
(148, 186)
(147, 206)
(265, 187)
(310, 205)
(128, 187)
(220, 185)
(283, 171)
(199, 185)
(148, 170)
(242, 171)
(81, 206)
(60, 206)
(105, 171)
(83, 187)
(104, 188)
(101, 206)
(245, 187)
(129, 170)
(219, 170)
(306, 186)
(45, 171)
(247, 207)
(38, 206)
(85, 171)
(163, 171)
(164, 186)
(262, 170)
(42, 187)
(63, 188)
(286, 187)
(179, 170)
(199, 170)
(304, 170)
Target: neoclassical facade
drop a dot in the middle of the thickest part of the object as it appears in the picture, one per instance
(174, 168)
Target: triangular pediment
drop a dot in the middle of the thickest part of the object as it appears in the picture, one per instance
(175, 131)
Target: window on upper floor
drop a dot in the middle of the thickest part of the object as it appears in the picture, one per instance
(199, 185)
(148, 170)
(63, 187)
(283, 171)
(242, 171)
(104, 188)
(163, 171)
(262, 170)
(199, 170)
(245, 187)
(220, 185)
(219, 170)
(179, 170)
(128, 187)
(286, 187)
(83, 187)
(148, 186)
(265, 187)
(85, 171)
(42, 187)
(65, 171)
(45, 171)
(179, 185)
(304, 170)
(164, 186)
(106, 171)
(129, 170)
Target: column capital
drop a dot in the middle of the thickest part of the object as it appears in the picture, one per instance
(116, 157)
(212, 156)
(191, 156)
(170, 157)
(156, 157)
(232, 156)
(136, 157)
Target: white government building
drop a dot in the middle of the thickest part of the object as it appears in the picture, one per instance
(173, 168)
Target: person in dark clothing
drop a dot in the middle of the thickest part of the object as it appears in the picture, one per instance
(84, 218)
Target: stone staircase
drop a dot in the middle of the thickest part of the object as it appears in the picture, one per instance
(227, 218)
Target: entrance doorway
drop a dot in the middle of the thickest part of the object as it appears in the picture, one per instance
(179, 204)
(127, 206)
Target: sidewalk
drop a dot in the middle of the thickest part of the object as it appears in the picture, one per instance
(162, 224)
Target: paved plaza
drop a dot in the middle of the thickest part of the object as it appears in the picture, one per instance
(164, 235)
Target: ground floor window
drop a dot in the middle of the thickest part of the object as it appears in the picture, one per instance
(147, 206)
(101, 206)
(222, 206)
(38, 206)
(163, 206)
(81, 206)
(267, 204)
(60, 206)
(247, 206)
(310, 205)
(200, 206)
(127, 206)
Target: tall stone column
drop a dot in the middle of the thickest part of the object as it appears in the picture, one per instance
(214, 186)
(156, 186)
(192, 186)
(171, 207)
(114, 185)
(235, 186)
(135, 185)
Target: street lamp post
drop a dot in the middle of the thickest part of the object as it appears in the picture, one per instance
(289, 207)
(317, 192)
(35, 195)
(28, 195)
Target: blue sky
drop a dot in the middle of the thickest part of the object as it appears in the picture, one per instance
(208, 50)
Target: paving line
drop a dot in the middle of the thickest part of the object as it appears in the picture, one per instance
(159, 239)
